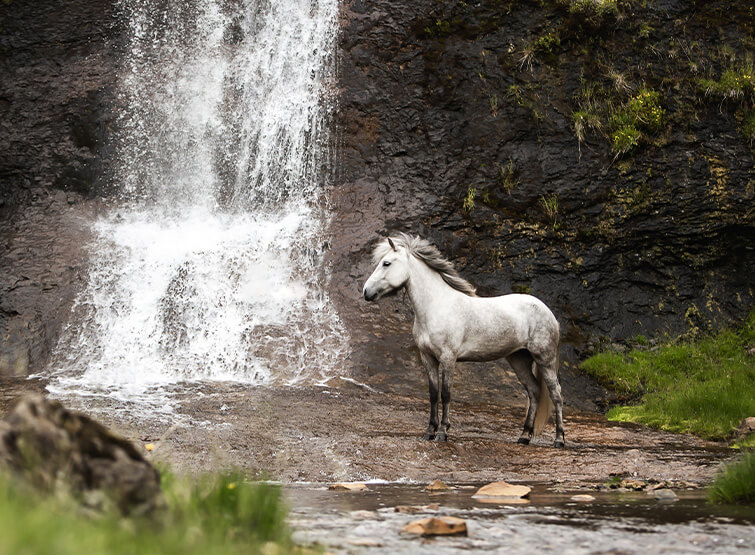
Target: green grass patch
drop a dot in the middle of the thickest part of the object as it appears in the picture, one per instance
(736, 484)
(735, 83)
(703, 387)
(215, 514)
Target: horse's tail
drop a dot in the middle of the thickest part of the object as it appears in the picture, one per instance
(544, 404)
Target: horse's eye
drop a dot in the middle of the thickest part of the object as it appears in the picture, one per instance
(386, 263)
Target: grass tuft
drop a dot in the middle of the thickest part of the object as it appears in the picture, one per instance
(736, 484)
(215, 514)
(704, 387)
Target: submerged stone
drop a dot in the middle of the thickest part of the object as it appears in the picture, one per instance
(411, 509)
(348, 486)
(437, 485)
(663, 495)
(441, 526)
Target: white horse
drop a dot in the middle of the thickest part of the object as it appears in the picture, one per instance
(451, 323)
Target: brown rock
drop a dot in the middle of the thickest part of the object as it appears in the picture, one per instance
(443, 526)
(636, 485)
(348, 486)
(51, 447)
(502, 489)
(747, 426)
(437, 485)
(583, 497)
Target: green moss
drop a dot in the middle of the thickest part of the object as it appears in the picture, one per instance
(704, 387)
(216, 514)
(736, 484)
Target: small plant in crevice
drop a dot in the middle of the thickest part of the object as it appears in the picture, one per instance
(527, 56)
(493, 101)
(468, 203)
(526, 97)
(619, 81)
(507, 176)
(549, 205)
(584, 121)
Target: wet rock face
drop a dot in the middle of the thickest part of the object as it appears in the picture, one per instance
(448, 131)
(58, 64)
(58, 67)
(52, 447)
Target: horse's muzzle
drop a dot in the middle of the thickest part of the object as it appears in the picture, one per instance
(370, 297)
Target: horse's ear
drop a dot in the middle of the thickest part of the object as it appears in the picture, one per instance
(390, 242)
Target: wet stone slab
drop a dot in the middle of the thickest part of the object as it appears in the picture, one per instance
(616, 522)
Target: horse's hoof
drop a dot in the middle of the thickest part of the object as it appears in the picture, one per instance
(441, 437)
(427, 436)
(559, 444)
(523, 441)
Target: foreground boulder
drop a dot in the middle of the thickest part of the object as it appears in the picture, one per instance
(53, 448)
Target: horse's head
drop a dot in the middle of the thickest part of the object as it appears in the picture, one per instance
(391, 273)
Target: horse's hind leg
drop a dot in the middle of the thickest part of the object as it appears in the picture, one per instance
(550, 376)
(521, 363)
(548, 369)
(431, 365)
(446, 371)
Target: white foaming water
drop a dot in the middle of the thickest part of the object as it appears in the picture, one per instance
(210, 267)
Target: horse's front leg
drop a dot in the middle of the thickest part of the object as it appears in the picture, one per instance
(446, 371)
(431, 365)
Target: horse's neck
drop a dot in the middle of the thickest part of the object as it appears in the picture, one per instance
(425, 287)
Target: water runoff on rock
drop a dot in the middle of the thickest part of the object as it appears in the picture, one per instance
(210, 264)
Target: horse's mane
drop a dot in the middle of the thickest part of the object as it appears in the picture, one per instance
(430, 255)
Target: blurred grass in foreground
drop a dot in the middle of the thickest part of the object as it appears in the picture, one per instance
(736, 484)
(212, 514)
(704, 387)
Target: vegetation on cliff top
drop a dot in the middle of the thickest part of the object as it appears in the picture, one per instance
(214, 514)
(704, 387)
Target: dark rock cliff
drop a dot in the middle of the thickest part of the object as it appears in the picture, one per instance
(459, 121)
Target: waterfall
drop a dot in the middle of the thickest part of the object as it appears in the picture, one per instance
(208, 265)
